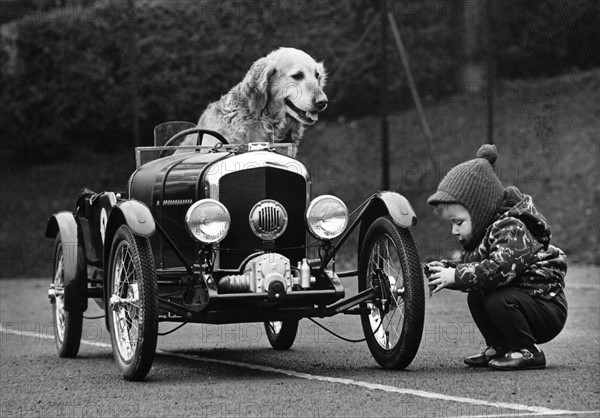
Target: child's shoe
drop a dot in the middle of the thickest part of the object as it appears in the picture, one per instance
(519, 360)
(482, 359)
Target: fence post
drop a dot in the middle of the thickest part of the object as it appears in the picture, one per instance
(385, 143)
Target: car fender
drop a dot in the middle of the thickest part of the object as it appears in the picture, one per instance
(383, 203)
(133, 213)
(137, 216)
(75, 270)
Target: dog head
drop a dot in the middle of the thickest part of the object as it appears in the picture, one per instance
(290, 82)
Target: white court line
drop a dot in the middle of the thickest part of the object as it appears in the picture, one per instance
(530, 410)
(512, 415)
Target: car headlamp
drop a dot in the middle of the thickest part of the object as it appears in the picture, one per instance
(326, 217)
(208, 221)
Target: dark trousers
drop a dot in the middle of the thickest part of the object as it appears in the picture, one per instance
(512, 319)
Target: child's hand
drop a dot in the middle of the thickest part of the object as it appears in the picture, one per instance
(435, 263)
(441, 277)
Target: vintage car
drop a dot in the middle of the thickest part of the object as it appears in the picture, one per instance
(223, 234)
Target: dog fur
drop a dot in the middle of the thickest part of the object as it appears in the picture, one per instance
(278, 98)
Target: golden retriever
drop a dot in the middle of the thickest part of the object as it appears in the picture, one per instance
(278, 98)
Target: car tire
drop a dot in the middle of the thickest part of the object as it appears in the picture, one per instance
(281, 334)
(132, 304)
(67, 323)
(393, 324)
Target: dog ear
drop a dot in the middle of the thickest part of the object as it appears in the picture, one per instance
(256, 84)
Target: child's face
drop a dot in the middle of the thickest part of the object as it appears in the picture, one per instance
(460, 219)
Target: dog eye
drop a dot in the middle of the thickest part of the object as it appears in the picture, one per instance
(298, 76)
(317, 75)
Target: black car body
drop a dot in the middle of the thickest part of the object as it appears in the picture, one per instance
(228, 234)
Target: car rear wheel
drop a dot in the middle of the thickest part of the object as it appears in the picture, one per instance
(67, 323)
(132, 304)
(392, 324)
(281, 334)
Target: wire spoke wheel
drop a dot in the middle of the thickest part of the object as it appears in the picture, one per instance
(67, 323)
(132, 304)
(281, 334)
(392, 323)
(126, 317)
(387, 316)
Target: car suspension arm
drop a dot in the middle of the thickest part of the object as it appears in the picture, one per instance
(368, 295)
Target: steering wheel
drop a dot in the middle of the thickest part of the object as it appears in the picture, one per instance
(201, 132)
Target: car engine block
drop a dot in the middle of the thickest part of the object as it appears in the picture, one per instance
(260, 274)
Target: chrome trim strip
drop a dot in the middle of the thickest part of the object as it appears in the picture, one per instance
(248, 160)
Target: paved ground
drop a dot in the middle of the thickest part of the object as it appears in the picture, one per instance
(206, 370)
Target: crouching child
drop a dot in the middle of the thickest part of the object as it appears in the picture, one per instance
(513, 275)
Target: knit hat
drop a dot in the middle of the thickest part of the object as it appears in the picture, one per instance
(474, 185)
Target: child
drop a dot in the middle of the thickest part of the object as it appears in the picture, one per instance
(513, 276)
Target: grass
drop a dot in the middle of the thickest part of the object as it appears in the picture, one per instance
(546, 132)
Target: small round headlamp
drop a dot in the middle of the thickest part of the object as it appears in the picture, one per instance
(208, 221)
(326, 217)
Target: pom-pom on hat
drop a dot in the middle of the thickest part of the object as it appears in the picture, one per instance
(475, 185)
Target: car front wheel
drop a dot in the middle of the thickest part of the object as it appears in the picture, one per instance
(132, 304)
(393, 323)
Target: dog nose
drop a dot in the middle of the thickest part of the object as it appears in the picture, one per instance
(321, 104)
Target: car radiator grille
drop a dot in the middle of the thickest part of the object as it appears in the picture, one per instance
(240, 191)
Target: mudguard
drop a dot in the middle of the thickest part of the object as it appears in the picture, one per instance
(396, 206)
(132, 213)
(393, 204)
(75, 280)
(137, 217)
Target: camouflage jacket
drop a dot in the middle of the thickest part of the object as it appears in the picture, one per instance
(515, 251)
